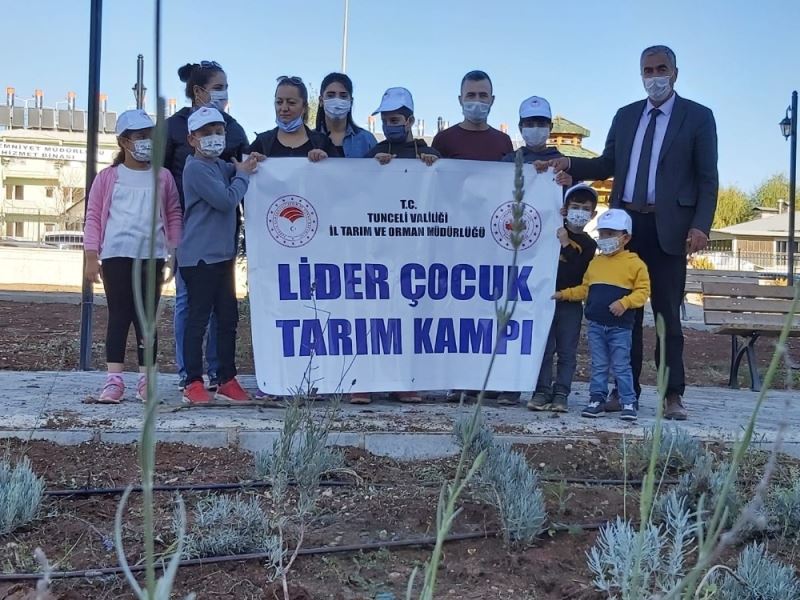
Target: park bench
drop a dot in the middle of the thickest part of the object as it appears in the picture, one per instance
(695, 278)
(747, 312)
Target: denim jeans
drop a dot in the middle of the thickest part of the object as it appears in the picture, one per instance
(610, 349)
(180, 320)
(562, 341)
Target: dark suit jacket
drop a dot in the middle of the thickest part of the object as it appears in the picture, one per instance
(686, 178)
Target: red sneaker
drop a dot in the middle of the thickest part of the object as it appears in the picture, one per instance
(231, 391)
(196, 393)
(408, 397)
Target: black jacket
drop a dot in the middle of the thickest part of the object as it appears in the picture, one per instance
(410, 149)
(574, 259)
(265, 140)
(528, 155)
(178, 147)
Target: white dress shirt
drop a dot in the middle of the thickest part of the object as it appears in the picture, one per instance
(662, 121)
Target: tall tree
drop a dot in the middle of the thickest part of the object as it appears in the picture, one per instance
(772, 190)
(733, 206)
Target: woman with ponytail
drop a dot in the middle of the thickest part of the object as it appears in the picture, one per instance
(335, 118)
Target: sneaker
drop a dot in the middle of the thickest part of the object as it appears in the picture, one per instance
(360, 398)
(455, 395)
(113, 390)
(182, 383)
(408, 397)
(559, 403)
(196, 393)
(628, 412)
(231, 391)
(595, 408)
(141, 388)
(540, 401)
(213, 383)
(508, 399)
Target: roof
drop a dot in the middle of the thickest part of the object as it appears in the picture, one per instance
(773, 226)
(562, 125)
(574, 151)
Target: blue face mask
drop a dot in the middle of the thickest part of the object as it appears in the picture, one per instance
(396, 134)
(291, 126)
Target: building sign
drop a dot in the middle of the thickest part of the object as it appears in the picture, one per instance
(50, 152)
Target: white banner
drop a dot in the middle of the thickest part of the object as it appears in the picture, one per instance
(368, 278)
(51, 152)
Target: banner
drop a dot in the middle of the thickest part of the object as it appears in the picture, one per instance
(365, 277)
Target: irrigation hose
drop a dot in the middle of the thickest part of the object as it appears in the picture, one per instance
(406, 543)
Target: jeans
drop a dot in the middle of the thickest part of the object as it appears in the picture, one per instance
(610, 349)
(181, 318)
(562, 341)
(211, 288)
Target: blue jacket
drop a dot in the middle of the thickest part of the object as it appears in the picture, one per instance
(356, 143)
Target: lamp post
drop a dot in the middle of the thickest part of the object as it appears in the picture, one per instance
(789, 130)
(139, 89)
(344, 35)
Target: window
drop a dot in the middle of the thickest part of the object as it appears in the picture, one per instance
(18, 192)
(782, 246)
(48, 227)
(15, 229)
(49, 191)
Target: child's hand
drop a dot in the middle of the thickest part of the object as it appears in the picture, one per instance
(563, 236)
(92, 272)
(556, 296)
(247, 166)
(259, 157)
(317, 155)
(384, 157)
(617, 308)
(563, 211)
(428, 159)
(563, 178)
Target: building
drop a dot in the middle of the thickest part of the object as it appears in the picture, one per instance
(762, 243)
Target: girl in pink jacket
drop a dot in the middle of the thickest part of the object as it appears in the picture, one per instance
(117, 232)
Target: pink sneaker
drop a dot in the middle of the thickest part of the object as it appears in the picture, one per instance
(113, 390)
(141, 388)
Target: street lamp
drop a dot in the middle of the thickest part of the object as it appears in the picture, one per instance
(344, 35)
(789, 130)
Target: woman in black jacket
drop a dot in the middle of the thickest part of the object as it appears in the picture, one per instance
(292, 137)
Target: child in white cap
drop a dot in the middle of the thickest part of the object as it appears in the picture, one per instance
(615, 283)
(118, 232)
(212, 190)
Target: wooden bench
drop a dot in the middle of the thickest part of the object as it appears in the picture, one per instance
(695, 278)
(747, 311)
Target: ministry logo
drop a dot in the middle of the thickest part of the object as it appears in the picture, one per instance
(503, 222)
(292, 221)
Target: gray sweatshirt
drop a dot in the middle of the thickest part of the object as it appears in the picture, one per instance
(212, 190)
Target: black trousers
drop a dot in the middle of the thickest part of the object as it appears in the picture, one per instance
(118, 284)
(211, 288)
(667, 284)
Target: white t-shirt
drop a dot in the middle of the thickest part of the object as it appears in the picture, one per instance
(129, 216)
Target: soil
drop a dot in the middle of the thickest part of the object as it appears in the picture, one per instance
(393, 500)
(44, 337)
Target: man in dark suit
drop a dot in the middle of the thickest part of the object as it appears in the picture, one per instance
(662, 153)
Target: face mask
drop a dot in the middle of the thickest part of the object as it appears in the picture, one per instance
(396, 134)
(291, 126)
(218, 99)
(212, 146)
(608, 245)
(535, 137)
(337, 108)
(578, 217)
(476, 112)
(142, 150)
(658, 88)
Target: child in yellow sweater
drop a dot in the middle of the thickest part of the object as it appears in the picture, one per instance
(615, 283)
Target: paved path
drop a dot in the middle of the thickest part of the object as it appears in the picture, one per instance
(50, 405)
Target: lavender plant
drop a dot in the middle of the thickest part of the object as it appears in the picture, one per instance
(21, 494)
(758, 576)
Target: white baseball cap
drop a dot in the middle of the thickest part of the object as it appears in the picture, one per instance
(535, 107)
(133, 120)
(615, 219)
(394, 99)
(203, 116)
(580, 186)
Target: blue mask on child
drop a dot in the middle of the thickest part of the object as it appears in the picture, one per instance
(291, 126)
(396, 134)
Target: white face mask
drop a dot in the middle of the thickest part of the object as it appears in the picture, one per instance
(476, 112)
(218, 99)
(535, 137)
(608, 245)
(211, 146)
(658, 88)
(142, 150)
(337, 108)
(578, 217)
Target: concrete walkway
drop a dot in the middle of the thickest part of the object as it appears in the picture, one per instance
(51, 405)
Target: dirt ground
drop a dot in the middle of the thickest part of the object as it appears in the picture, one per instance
(392, 501)
(45, 337)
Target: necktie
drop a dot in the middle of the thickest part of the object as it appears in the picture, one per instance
(639, 200)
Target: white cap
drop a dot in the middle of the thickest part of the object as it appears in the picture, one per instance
(535, 107)
(132, 120)
(203, 116)
(580, 186)
(615, 219)
(394, 99)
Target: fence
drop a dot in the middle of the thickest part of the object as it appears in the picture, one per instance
(765, 262)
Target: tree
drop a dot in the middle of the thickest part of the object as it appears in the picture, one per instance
(771, 190)
(733, 206)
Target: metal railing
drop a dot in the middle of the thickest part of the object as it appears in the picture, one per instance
(765, 262)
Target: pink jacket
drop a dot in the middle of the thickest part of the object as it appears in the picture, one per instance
(100, 202)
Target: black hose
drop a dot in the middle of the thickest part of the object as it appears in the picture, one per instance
(422, 541)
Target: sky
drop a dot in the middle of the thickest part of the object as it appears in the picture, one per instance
(738, 57)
